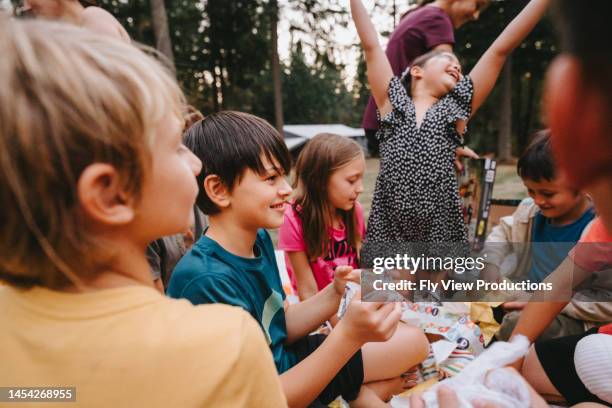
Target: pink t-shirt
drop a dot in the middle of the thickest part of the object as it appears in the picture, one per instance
(593, 251)
(291, 239)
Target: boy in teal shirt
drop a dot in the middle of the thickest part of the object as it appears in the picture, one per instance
(211, 274)
(243, 191)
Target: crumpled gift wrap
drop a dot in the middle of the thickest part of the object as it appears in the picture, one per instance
(481, 313)
(449, 320)
(444, 360)
(484, 379)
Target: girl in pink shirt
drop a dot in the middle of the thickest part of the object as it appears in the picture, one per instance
(324, 225)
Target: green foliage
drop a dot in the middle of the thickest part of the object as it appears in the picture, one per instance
(315, 94)
(184, 20)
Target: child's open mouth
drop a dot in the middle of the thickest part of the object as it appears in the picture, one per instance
(279, 206)
(454, 74)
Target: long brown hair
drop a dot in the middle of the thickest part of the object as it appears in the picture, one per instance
(322, 155)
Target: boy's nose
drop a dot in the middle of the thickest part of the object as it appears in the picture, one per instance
(194, 163)
(285, 189)
(539, 201)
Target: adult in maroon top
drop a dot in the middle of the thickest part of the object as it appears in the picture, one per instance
(427, 28)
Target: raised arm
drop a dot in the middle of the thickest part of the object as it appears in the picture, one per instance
(379, 69)
(485, 73)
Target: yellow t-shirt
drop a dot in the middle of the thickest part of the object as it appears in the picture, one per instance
(133, 347)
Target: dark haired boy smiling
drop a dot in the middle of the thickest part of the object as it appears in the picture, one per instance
(243, 190)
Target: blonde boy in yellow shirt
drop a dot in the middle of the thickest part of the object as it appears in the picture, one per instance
(92, 169)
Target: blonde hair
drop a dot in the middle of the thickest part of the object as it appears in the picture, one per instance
(69, 98)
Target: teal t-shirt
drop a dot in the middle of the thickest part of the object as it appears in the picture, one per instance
(210, 274)
(553, 243)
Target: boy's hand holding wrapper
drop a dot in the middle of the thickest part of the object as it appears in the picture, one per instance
(365, 321)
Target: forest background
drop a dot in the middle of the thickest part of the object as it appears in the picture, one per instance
(226, 56)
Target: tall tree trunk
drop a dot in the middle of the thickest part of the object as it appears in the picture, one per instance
(160, 27)
(504, 141)
(518, 104)
(276, 72)
(524, 135)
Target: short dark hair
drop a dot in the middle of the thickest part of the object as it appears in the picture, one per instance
(537, 162)
(228, 143)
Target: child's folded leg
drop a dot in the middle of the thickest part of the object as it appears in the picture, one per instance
(535, 375)
(367, 399)
(407, 348)
(386, 389)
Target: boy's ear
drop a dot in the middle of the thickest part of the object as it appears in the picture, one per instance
(102, 197)
(217, 191)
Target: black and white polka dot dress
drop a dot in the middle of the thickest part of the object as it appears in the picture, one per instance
(416, 198)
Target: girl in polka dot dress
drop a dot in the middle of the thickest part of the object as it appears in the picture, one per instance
(422, 120)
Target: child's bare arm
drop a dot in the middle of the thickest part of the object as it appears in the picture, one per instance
(544, 306)
(362, 323)
(379, 69)
(535, 318)
(304, 317)
(485, 73)
(307, 286)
